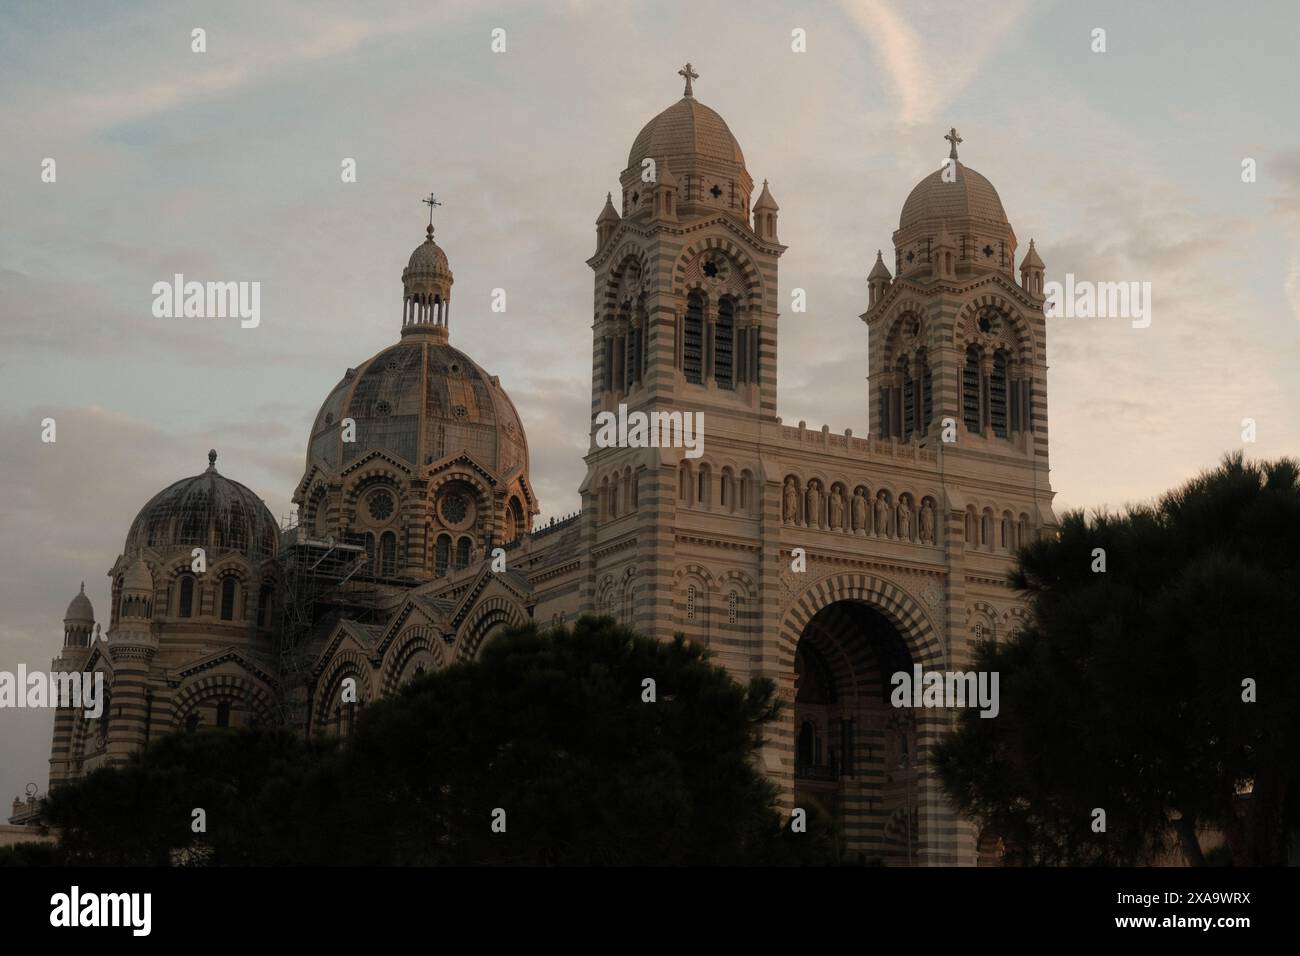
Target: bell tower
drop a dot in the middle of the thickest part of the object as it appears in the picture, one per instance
(684, 324)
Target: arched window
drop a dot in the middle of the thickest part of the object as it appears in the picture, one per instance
(724, 348)
(603, 504)
(703, 498)
(462, 553)
(186, 603)
(909, 399)
(228, 585)
(808, 745)
(998, 394)
(733, 601)
(693, 339)
(442, 554)
(970, 389)
(223, 714)
(388, 554)
(690, 602)
(264, 605)
(684, 483)
(972, 528)
(727, 492)
(927, 395)
(986, 530)
(613, 497)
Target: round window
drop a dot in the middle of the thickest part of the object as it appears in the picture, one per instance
(380, 505)
(455, 507)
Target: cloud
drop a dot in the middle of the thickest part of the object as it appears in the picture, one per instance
(935, 51)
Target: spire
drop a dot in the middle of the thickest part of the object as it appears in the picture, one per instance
(1032, 259)
(212, 460)
(879, 270)
(954, 139)
(689, 73)
(765, 200)
(609, 213)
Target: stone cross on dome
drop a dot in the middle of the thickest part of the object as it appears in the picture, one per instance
(689, 73)
(954, 139)
(431, 202)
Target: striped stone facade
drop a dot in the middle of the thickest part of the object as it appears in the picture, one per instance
(822, 560)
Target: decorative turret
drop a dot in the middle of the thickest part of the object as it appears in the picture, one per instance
(877, 281)
(137, 593)
(79, 621)
(1031, 271)
(665, 192)
(765, 210)
(606, 222)
(426, 286)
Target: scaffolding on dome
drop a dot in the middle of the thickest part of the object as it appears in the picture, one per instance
(321, 582)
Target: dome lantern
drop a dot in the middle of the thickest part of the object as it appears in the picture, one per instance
(426, 286)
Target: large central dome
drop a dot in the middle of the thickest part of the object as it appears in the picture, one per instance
(421, 400)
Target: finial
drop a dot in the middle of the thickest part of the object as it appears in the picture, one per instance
(212, 459)
(954, 139)
(83, 587)
(689, 73)
(430, 202)
(609, 198)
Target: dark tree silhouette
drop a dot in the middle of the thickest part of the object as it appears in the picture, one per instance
(553, 729)
(1125, 690)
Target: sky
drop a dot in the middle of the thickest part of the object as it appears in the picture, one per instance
(1123, 165)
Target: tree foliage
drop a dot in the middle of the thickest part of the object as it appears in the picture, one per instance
(552, 729)
(1124, 691)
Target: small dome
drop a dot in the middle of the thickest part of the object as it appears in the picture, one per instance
(138, 577)
(79, 610)
(427, 261)
(686, 130)
(969, 196)
(208, 511)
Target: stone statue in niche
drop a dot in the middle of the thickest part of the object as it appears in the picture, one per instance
(904, 520)
(790, 511)
(813, 505)
(837, 510)
(882, 515)
(927, 523)
(859, 511)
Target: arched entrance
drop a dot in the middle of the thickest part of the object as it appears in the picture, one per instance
(847, 750)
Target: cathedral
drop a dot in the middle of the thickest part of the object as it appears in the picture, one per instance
(823, 560)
